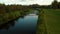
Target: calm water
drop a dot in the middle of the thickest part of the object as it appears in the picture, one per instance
(25, 25)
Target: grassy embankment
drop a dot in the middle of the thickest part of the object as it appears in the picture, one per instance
(13, 15)
(9, 16)
(49, 22)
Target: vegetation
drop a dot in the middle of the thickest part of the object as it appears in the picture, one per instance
(10, 12)
(41, 28)
(49, 22)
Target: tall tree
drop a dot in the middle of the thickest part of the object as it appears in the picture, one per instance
(2, 9)
(55, 4)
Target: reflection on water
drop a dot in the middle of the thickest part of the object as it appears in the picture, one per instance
(6, 25)
(25, 25)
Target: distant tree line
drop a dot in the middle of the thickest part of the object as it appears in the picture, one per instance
(11, 8)
(55, 4)
(10, 12)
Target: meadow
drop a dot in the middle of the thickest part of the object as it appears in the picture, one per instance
(49, 22)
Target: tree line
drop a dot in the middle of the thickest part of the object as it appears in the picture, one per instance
(11, 8)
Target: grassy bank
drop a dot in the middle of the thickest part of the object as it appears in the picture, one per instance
(49, 22)
(13, 15)
(9, 16)
(41, 28)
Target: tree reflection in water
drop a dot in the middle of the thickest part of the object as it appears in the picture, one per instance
(10, 23)
(7, 25)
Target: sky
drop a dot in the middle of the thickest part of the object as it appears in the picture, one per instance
(27, 2)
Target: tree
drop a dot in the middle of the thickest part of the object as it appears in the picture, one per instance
(55, 4)
(2, 9)
(59, 5)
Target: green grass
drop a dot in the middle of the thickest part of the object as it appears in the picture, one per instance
(51, 21)
(41, 28)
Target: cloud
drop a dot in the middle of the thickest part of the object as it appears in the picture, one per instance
(58, 0)
(27, 2)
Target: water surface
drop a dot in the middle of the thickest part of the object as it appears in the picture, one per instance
(25, 25)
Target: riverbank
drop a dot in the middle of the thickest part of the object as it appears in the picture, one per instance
(9, 16)
(25, 25)
(13, 15)
(49, 21)
(41, 28)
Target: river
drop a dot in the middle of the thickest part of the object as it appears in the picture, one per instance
(24, 25)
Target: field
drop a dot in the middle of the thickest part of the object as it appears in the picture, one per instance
(49, 21)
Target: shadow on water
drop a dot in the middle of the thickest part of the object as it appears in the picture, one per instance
(25, 24)
(7, 25)
(10, 23)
